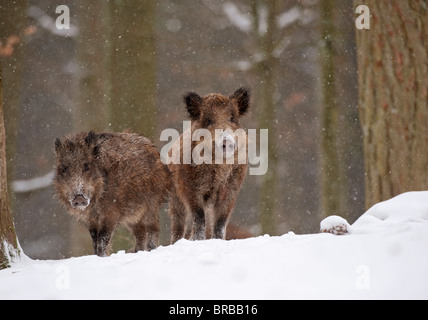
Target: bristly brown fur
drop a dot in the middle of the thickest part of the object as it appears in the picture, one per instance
(123, 179)
(201, 189)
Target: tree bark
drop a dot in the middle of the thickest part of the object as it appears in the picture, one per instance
(9, 247)
(393, 99)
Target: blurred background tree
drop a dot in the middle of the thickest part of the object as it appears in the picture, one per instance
(133, 94)
(330, 173)
(341, 137)
(268, 35)
(12, 32)
(93, 75)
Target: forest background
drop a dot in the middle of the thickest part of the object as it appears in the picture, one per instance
(126, 65)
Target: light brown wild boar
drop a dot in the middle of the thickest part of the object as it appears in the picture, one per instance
(205, 193)
(111, 178)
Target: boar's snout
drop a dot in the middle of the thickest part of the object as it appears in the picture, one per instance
(80, 202)
(228, 145)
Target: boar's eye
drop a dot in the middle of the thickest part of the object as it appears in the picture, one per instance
(86, 167)
(232, 119)
(63, 169)
(207, 122)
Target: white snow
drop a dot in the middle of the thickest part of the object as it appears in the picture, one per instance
(11, 253)
(288, 17)
(238, 19)
(32, 184)
(385, 257)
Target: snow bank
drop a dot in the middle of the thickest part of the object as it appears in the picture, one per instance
(385, 257)
(410, 207)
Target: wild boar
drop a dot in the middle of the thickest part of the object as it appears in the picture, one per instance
(206, 191)
(111, 178)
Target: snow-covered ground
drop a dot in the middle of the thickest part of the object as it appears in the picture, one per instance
(385, 256)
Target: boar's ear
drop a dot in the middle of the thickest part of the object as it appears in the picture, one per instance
(193, 104)
(58, 145)
(69, 145)
(90, 138)
(242, 97)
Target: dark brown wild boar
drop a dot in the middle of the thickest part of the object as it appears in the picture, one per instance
(111, 178)
(206, 191)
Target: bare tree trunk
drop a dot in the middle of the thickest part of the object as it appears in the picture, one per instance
(331, 186)
(9, 247)
(393, 94)
(93, 73)
(12, 17)
(133, 66)
(268, 74)
(350, 137)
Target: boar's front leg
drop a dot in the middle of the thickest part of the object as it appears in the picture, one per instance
(146, 232)
(220, 224)
(94, 234)
(223, 209)
(101, 236)
(226, 198)
(103, 241)
(198, 232)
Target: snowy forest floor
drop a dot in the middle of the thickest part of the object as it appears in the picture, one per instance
(384, 257)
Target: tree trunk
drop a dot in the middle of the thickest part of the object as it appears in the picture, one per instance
(350, 137)
(393, 99)
(268, 76)
(9, 247)
(93, 73)
(13, 18)
(331, 185)
(133, 66)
